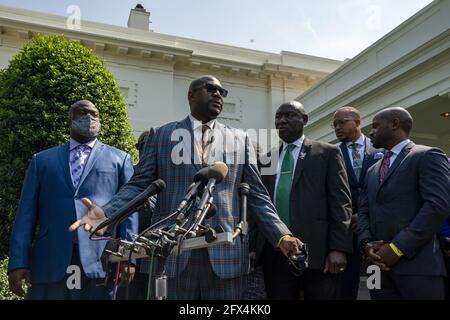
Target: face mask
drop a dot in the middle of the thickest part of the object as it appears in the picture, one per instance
(86, 126)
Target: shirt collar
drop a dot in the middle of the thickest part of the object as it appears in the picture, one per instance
(74, 143)
(195, 123)
(297, 143)
(399, 147)
(359, 141)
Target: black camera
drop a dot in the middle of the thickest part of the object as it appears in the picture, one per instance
(299, 261)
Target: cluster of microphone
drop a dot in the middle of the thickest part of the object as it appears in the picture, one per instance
(204, 184)
(186, 232)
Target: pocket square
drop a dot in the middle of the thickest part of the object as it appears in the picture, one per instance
(378, 155)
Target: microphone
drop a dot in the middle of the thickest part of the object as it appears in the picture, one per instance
(242, 227)
(134, 204)
(199, 178)
(216, 173)
(212, 210)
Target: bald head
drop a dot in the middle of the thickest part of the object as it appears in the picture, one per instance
(81, 104)
(290, 120)
(390, 127)
(346, 124)
(349, 112)
(294, 105)
(399, 114)
(205, 96)
(84, 121)
(199, 81)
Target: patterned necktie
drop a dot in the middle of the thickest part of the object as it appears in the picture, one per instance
(356, 159)
(284, 185)
(78, 162)
(384, 168)
(206, 144)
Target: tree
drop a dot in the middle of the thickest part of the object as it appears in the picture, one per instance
(36, 92)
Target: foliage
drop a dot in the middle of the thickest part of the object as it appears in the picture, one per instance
(36, 92)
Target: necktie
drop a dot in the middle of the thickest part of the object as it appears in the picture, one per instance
(284, 185)
(356, 159)
(384, 168)
(78, 162)
(206, 144)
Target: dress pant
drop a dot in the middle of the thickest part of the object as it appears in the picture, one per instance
(282, 283)
(199, 282)
(406, 287)
(90, 289)
(350, 278)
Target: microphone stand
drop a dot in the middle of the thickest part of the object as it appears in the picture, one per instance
(112, 245)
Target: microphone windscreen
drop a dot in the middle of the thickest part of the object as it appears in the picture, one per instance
(244, 188)
(218, 170)
(201, 174)
(211, 211)
(159, 184)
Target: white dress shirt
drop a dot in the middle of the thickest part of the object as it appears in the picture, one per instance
(396, 150)
(295, 152)
(198, 135)
(361, 142)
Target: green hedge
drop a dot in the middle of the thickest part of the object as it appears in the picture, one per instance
(36, 91)
(5, 294)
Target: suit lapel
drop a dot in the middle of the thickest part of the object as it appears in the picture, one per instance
(302, 156)
(350, 172)
(374, 179)
(95, 153)
(271, 186)
(219, 129)
(367, 158)
(64, 162)
(186, 124)
(396, 163)
(270, 180)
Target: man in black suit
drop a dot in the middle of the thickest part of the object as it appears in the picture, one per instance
(312, 196)
(359, 155)
(404, 202)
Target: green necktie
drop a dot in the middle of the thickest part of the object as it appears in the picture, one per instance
(284, 185)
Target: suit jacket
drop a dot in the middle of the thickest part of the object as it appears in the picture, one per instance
(49, 200)
(370, 158)
(157, 162)
(320, 202)
(409, 208)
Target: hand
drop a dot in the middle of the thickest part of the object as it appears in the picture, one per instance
(336, 262)
(372, 257)
(387, 255)
(91, 220)
(290, 245)
(126, 274)
(15, 279)
(354, 223)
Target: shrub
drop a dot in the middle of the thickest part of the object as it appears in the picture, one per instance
(36, 92)
(5, 294)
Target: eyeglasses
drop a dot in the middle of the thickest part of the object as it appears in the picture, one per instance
(340, 122)
(211, 88)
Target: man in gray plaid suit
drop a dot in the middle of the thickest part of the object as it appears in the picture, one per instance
(174, 153)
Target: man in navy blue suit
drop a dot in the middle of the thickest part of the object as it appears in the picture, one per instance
(359, 155)
(56, 181)
(403, 204)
